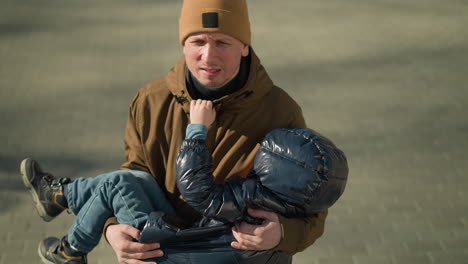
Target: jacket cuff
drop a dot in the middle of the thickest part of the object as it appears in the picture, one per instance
(193, 143)
(289, 237)
(300, 233)
(110, 221)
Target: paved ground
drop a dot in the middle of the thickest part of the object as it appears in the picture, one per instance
(386, 80)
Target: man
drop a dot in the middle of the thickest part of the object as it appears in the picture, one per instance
(218, 65)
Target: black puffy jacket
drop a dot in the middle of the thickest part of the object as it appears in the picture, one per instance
(297, 172)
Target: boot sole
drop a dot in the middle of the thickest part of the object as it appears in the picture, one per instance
(39, 207)
(43, 258)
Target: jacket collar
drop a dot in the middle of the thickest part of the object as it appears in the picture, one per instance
(258, 84)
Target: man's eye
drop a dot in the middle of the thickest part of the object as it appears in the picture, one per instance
(222, 43)
(198, 42)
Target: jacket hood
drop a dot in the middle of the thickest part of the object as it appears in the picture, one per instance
(302, 168)
(257, 86)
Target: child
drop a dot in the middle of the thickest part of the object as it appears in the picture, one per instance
(132, 197)
(296, 173)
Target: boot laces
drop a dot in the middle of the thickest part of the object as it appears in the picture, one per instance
(48, 178)
(55, 182)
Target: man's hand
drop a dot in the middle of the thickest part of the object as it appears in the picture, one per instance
(202, 112)
(258, 237)
(122, 240)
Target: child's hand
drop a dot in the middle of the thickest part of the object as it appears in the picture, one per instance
(202, 112)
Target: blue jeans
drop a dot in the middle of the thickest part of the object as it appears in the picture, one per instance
(127, 194)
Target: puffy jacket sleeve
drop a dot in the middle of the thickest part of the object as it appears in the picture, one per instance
(195, 182)
(134, 151)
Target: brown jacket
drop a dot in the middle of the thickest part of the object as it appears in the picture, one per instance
(156, 126)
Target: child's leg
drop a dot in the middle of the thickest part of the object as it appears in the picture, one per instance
(129, 195)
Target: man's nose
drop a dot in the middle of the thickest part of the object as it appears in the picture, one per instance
(209, 53)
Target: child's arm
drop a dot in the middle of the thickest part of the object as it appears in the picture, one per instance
(202, 115)
(195, 170)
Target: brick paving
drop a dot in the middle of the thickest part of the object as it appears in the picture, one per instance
(386, 80)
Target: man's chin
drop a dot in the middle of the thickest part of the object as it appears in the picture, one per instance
(210, 84)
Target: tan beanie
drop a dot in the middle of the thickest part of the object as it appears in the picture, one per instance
(224, 16)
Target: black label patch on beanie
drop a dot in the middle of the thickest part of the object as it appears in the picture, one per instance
(210, 20)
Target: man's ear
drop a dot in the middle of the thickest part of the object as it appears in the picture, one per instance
(245, 50)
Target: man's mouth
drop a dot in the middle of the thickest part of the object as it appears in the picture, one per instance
(210, 71)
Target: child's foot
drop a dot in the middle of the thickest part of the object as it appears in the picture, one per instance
(46, 190)
(53, 250)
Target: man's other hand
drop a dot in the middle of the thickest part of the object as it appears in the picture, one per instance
(122, 240)
(258, 237)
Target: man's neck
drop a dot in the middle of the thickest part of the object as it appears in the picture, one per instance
(200, 91)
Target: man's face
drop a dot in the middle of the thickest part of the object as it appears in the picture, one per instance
(214, 58)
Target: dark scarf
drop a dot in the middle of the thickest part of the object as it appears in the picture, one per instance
(199, 91)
